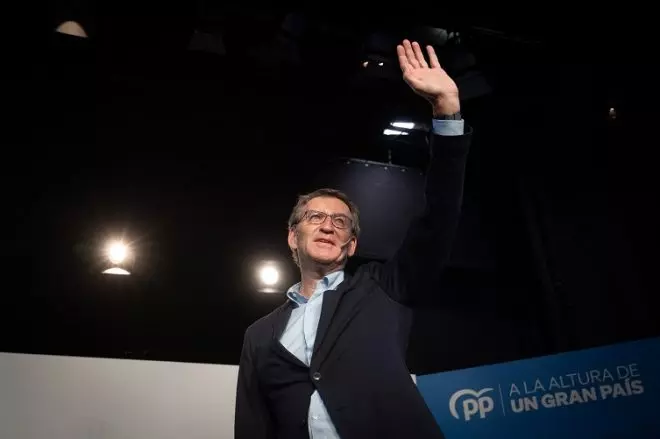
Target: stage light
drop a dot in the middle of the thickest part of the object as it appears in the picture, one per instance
(116, 270)
(380, 64)
(117, 252)
(389, 132)
(119, 256)
(71, 28)
(406, 125)
(269, 275)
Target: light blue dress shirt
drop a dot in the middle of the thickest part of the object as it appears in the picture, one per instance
(299, 337)
(300, 332)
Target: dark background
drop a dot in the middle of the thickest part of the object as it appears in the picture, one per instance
(191, 132)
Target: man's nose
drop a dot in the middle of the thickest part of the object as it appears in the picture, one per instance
(327, 225)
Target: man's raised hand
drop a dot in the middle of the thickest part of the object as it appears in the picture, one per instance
(428, 80)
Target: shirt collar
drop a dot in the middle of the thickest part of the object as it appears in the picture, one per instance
(328, 282)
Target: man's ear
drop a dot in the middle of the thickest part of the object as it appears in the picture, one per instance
(352, 246)
(293, 238)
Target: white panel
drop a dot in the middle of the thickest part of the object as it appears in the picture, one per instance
(52, 397)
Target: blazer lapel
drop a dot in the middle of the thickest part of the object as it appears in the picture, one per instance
(330, 303)
(281, 319)
(332, 323)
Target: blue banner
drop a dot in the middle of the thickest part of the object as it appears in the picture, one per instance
(607, 392)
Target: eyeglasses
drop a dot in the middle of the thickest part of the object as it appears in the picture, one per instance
(339, 220)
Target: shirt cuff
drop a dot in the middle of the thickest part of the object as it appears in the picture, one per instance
(443, 127)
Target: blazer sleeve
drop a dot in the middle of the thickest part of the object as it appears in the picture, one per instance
(411, 275)
(252, 419)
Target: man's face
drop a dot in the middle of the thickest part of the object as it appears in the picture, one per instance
(323, 243)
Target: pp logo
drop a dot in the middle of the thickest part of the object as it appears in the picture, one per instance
(474, 403)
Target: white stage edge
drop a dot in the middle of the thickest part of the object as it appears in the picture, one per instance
(54, 397)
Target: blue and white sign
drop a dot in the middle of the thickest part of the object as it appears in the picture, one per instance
(608, 392)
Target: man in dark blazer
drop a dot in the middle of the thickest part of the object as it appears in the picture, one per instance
(330, 361)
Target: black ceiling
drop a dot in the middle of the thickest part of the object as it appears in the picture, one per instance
(198, 155)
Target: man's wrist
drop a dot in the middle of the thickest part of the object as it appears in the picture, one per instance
(446, 106)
